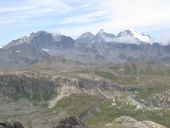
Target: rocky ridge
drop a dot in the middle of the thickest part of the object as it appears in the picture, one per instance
(130, 122)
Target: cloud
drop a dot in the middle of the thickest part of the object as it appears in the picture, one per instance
(87, 17)
(15, 9)
(75, 17)
(138, 13)
(57, 5)
(164, 38)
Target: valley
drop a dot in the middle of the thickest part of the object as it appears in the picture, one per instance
(97, 95)
(51, 81)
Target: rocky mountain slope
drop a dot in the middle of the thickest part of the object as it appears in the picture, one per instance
(88, 48)
(40, 99)
(130, 122)
(98, 80)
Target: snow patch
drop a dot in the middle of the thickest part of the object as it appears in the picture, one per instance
(17, 51)
(132, 37)
(46, 50)
(140, 36)
(126, 39)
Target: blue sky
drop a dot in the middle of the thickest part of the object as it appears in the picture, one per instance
(73, 17)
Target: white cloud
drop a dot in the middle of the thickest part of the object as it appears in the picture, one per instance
(35, 6)
(66, 16)
(58, 5)
(145, 15)
(25, 12)
(138, 13)
(86, 18)
(164, 38)
(12, 9)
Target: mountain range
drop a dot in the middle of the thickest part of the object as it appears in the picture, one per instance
(98, 80)
(102, 47)
(127, 36)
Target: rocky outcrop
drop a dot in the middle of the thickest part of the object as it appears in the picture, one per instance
(161, 100)
(36, 88)
(11, 124)
(70, 122)
(130, 122)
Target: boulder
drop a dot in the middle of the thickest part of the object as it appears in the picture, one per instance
(11, 124)
(70, 122)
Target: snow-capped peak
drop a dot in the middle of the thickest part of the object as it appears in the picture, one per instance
(17, 51)
(139, 36)
(102, 36)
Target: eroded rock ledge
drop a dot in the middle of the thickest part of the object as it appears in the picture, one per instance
(70, 122)
(11, 124)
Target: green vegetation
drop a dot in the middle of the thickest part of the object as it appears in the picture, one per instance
(34, 89)
(144, 80)
(77, 103)
(109, 113)
(148, 91)
(98, 111)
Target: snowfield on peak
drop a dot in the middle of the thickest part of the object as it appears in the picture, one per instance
(126, 39)
(132, 37)
(46, 50)
(140, 37)
(127, 36)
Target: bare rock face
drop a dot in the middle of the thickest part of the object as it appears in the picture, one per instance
(161, 100)
(70, 122)
(11, 124)
(130, 122)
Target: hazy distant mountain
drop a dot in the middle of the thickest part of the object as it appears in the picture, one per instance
(85, 38)
(103, 47)
(20, 56)
(102, 36)
(44, 40)
(29, 50)
(127, 37)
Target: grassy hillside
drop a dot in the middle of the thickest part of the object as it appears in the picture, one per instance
(98, 111)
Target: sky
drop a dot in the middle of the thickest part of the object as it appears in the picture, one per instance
(72, 17)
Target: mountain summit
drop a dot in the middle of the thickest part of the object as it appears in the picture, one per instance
(133, 36)
(102, 36)
(42, 39)
(127, 37)
(85, 37)
(101, 47)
